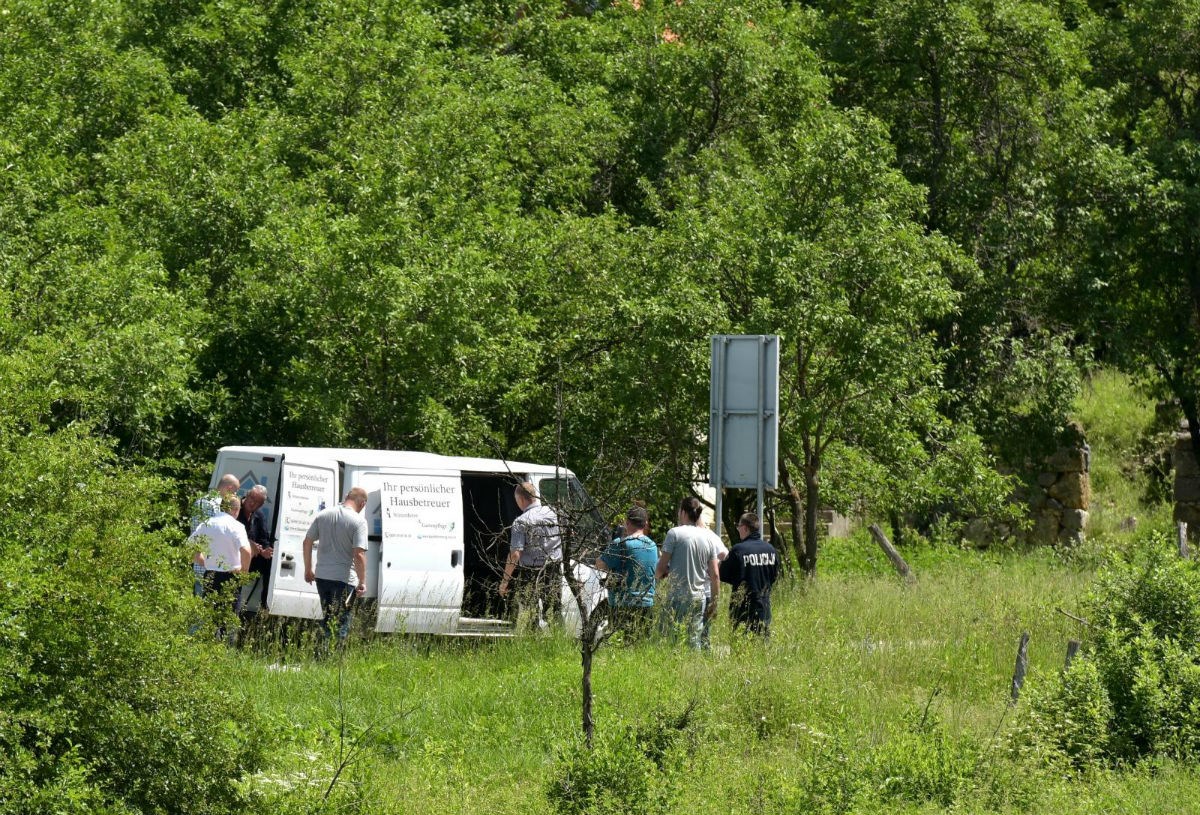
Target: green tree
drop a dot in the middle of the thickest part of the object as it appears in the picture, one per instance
(983, 100)
(1143, 269)
(821, 245)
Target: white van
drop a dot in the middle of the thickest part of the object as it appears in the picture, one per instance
(437, 531)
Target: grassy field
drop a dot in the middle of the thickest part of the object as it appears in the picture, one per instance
(1121, 428)
(856, 661)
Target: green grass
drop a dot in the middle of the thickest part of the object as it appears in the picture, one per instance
(478, 726)
(1119, 421)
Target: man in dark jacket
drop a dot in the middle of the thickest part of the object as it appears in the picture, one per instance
(751, 569)
(254, 517)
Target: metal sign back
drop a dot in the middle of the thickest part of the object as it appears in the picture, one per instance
(743, 429)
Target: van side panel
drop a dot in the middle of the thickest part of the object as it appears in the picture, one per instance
(421, 552)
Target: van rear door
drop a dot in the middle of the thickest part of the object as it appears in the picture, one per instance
(420, 587)
(252, 469)
(307, 485)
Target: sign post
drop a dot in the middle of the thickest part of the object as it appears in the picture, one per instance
(743, 429)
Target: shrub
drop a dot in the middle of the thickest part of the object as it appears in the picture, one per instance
(921, 763)
(1072, 717)
(105, 706)
(636, 770)
(1134, 694)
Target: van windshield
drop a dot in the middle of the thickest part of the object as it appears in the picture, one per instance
(571, 500)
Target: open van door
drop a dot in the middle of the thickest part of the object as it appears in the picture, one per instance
(420, 587)
(306, 486)
(253, 468)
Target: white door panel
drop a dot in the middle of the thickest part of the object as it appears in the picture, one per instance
(306, 488)
(420, 586)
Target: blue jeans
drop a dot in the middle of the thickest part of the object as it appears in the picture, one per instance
(687, 615)
(334, 595)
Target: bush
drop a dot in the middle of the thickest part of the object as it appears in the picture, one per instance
(105, 705)
(923, 764)
(1135, 693)
(918, 763)
(632, 772)
(1071, 718)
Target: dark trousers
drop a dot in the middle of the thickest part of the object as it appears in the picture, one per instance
(334, 595)
(537, 594)
(220, 588)
(260, 567)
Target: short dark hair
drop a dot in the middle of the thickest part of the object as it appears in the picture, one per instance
(750, 521)
(692, 508)
(638, 517)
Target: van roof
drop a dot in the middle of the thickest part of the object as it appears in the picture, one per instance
(403, 458)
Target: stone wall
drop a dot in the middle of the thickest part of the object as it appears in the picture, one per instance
(1187, 482)
(1064, 492)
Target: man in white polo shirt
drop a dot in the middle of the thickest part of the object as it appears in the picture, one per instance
(223, 549)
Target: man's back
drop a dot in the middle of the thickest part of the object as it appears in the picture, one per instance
(537, 535)
(691, 549)
(225, 538)
(751, 569)
(633, 559)
(339, 530)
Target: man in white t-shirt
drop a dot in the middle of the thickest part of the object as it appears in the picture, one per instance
(689, 557)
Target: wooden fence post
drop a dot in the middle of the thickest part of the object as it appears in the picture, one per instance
(1021, 667)
(1072, 650)
(1183, 542)
(890, 551)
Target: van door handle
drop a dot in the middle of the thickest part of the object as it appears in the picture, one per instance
(455, 558)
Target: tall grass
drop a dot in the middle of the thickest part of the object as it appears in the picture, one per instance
(478, 726)
(1119, 420)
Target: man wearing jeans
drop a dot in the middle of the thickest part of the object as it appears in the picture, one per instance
(534, 561)
(341, 571)
(689, 556)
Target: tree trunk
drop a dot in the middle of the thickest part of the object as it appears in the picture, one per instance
(796, 508)
(897, 527)
(1193, 420)
(586, 652)
(812, 498)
